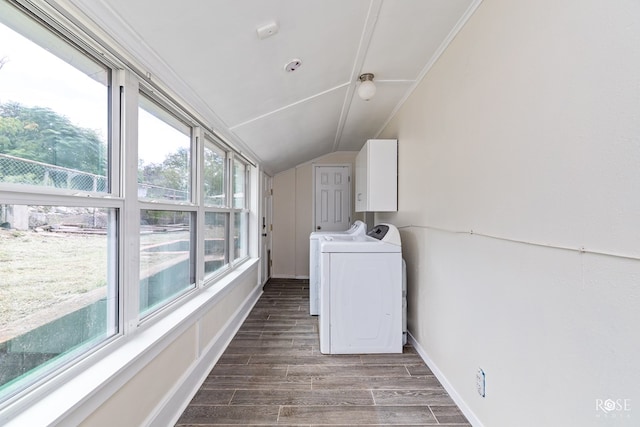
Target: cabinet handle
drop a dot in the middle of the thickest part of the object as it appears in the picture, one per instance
(359, 197)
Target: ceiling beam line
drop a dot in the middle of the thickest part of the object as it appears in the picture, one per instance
(363, 48)
(302, 101)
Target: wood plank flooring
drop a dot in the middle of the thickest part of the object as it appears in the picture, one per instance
(273, 373)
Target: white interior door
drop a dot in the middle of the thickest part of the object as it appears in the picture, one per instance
(332, 198)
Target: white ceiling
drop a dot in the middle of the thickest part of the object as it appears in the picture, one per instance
(209, 53)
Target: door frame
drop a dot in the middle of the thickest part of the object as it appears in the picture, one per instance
(314, 190)
(266, 218)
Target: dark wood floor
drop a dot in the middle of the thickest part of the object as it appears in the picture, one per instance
(273, 373)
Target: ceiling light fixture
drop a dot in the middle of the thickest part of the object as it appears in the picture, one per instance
(367, 89)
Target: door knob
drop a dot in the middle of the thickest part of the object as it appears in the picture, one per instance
(318, 228)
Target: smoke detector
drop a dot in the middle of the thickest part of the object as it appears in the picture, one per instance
(292, 65)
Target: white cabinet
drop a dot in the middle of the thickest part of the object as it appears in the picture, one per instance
(377, 176)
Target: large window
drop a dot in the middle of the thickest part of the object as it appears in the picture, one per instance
(216, 220)
(167, 247)
(58, 248)
(227, 214)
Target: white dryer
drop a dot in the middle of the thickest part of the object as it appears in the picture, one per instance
(357, 228)
(361, 292)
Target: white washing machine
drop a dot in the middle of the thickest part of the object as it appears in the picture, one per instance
(357, 228)
(361, 292)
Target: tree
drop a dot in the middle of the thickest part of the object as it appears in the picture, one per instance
(213, 177)
(43, 135)
(171, 174)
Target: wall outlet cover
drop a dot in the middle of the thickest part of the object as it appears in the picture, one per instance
(481, 382)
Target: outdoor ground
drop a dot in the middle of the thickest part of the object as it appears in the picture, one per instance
(44, 273)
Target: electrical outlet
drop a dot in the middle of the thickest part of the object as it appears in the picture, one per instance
(481, 384)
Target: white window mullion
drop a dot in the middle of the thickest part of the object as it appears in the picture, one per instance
(229, 200)
(114, 172)
(130, 254)
(198, 194)
(254, 196)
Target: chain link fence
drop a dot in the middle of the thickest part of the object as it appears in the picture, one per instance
(21, 171)
(156, 192)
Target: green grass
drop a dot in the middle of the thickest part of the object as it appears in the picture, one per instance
(40, 270)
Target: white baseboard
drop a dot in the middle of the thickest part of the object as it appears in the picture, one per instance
(288, 276)
(174, 405)
(473, 419)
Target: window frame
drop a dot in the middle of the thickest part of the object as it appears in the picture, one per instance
(42, 25)
(37, 195)
(191, 205)
(164, 110)
(243, 211)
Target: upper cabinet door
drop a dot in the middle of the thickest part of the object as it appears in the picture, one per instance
(377, 176)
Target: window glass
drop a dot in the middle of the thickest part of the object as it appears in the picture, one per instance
(54, 120)
(166, 257)
(239, 184)
(240, 234)
(215, 241)
(164, 155)
(214, 176)
(58, 289)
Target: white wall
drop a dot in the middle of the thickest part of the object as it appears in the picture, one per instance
(526, 133)
(284, 225)
(293, 214)
(163, 387)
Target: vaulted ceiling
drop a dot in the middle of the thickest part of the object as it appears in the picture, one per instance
(209, 52)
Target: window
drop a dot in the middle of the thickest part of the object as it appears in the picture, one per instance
(240, 240)
(214, 175)
(58, 251)
(164, 155)
(53, 116)
(166, 257)
(215, 241)
(226, 213)
(58, 295)
(239, 184)
(241, 214)
(167, 246)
